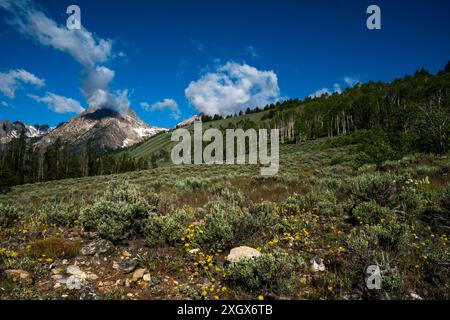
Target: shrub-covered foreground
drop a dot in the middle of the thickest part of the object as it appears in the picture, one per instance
(318, 226)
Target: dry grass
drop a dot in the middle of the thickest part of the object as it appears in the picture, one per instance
(53, 248)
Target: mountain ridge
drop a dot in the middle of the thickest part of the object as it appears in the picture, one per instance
(11, 130)
(102, 129)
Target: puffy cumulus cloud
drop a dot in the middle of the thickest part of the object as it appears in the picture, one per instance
(80, 44)
(233, 87)
(325, 91)
(320, 92)
(98, 78)
(96, 89)
(90, 51)
(337, 88)
(59, 104)
(351, 81)
(11, 81)
(166, 104)
(102, 99)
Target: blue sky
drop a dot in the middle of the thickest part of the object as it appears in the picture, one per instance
(170, 59)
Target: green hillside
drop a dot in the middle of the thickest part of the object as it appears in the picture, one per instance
(323, 206)
(161, 142)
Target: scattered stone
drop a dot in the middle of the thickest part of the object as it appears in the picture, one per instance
(73, 283)
(138, 273)
(91, 276)
(96, 259)
(290, 242)
(18, 275)
(415, 296)
(147, 277)
(74, 270)
(87, 293)
(96, 247)
(126, 254)
(57, 277)
(126, 265)
(317, 264)
(241, 253)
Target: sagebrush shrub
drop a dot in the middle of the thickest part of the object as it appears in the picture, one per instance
(325, 202)
(166, 229)
(57, 213)
(224, 194)
(261, 216)
(8, 215)
(192, 183)
(409, 200)
(274, 272)
(391, 236)
(220, 226)
(444, 201)
(370, 213)
(380, 188)
(117, 214)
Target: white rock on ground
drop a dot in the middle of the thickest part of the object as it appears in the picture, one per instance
(138, 273)
(18, 275)
(241, 253)
(96, 247)
(317, 265)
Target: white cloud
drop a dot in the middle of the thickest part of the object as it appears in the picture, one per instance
(102, 99)
(97, 79)
(233, 87)
(82, 45)
(351, 81)
(10, 82)
(320, 92)
(59, 104)
(166, 104)
(7, 105)
(99, 96)
(337, 88)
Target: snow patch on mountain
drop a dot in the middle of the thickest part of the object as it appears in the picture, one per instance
(10, 131)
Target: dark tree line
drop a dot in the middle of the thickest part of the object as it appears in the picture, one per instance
(21, 162)
(414, 112)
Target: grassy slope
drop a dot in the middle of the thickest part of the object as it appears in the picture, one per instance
(296, 161)
(162, 141)
(313, 166)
